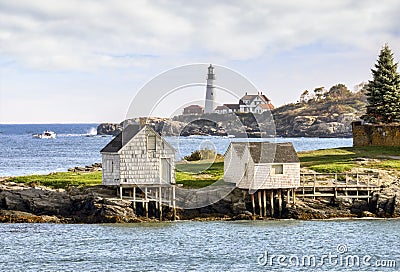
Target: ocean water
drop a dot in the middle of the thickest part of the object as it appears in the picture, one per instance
(274, 245)
(271, 245)
(77, 145)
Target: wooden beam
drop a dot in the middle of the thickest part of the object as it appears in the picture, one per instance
(260, 202)
(156, 202)
(271, 199)
(265, 202)
(294, 195)
(173, 201)
(280, 201)
(160, 203)
(134, 197)
(288, 196)
(146, 204)
(253, 204)
(120, 192)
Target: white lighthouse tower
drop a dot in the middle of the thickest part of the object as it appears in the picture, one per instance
(210, 92)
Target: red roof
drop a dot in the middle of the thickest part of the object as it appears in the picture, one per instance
(268, 106)
(194, 107)
(221, 108)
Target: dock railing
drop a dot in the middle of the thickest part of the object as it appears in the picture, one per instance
(337, 185)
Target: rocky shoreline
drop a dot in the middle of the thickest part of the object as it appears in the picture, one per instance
(20, 203)
(328, 115)
(245, 125)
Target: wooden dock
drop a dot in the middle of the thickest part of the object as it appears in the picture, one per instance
(344, 185)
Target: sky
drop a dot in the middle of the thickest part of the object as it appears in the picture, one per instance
(70, 61)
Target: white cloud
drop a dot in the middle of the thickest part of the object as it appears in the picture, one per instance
(109, 49)
(87, 34)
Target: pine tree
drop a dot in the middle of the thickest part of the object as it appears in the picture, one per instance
(383, 91)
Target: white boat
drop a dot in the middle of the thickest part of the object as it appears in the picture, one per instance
(45, 135)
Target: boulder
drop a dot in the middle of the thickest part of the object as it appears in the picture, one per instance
(109, 129)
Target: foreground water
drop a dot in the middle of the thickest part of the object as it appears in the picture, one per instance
(203, 246)
(77, 145)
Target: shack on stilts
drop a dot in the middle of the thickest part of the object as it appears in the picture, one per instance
(140, 164)
(269, 172)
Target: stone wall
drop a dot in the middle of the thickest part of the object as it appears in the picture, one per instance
(375, 135)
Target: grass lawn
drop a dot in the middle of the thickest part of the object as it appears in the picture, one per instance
(338, 160)
(199, 174)
(61, 179)
(191, 175)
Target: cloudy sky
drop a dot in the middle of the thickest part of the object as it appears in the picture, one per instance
(84, 61)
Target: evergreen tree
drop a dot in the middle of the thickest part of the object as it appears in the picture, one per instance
(383, 91)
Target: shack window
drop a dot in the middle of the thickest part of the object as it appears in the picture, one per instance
(277, 169)
(110, 166)
(151, 143)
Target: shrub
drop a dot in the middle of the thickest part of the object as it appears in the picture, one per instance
(202, 154)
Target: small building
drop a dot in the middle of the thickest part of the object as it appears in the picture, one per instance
(260, 108)
(227, 108)
(249, 102)
(262, 165)
(140, 158)
(263, 168)
(193, 110)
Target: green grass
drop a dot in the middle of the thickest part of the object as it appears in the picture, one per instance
(391, 164)
(191, 175)
(61, 179)
(339, 160)
(199, 174)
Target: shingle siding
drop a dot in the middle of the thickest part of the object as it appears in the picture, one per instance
(259, 174)
(137, 165)
(111, 176)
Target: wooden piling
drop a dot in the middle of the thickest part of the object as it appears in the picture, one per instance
(173, 202)
(146, 204)
(288, 196)
(294, 195)
(260, 202)
(280, 201)
(265, 202)
(134, 197)
(253, 204)
(160, 203)
(271, 199)
(156, 202)
(120, 192)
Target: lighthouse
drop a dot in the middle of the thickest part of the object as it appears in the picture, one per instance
(210, 91)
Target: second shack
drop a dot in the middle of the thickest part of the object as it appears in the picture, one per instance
(268, 171)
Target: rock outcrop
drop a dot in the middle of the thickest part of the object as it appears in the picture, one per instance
(109, 129)
(285, 124)
(100, 204)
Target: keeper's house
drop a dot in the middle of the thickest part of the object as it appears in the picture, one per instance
(138, 156)
(262, 165)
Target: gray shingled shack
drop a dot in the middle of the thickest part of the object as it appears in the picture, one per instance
(263, 168)
(142, 165)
